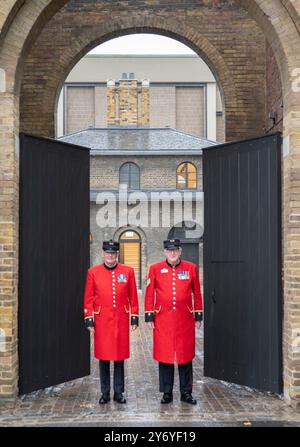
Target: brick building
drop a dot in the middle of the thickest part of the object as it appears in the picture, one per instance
(177, 91)
(162, 172)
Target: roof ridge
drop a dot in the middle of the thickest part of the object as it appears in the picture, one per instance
(196, 137)
(72, 133)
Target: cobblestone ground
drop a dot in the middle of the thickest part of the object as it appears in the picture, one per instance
(76, 403)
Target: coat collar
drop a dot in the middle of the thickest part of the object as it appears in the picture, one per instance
(110, 268)
(170, 265)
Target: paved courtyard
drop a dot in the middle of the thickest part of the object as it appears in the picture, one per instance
(219, 404)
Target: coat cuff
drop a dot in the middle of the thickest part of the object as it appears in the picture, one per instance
(149, 316)
(134, 320)
(89, 322)
(198, 315)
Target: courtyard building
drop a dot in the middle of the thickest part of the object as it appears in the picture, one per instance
(177, 91)
(160, 170)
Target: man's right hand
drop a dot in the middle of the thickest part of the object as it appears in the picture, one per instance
(150, 324)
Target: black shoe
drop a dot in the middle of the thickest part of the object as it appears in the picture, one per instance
(104, 399)
(167, 398)
(119, 398)
(188, 398)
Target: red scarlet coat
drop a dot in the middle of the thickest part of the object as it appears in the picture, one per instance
(110, 296)
(169, 297)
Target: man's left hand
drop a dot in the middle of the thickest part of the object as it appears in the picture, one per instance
(198, 324)
(134, 327)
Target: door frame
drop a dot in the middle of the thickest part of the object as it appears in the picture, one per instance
(139, 241)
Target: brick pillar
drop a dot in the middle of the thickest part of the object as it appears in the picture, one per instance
(111, 103)
(291, 257)
(144, 113)
(9, 196)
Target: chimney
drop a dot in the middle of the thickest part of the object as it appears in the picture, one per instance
(128, 101)
(144, 115)
(112, 98)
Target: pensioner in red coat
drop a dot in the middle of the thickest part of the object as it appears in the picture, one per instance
(110, 297)
(173, 299)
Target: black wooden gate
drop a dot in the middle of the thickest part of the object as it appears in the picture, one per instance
(242, 263)
(53, 261)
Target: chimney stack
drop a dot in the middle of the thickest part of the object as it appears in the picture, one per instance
(128, 101)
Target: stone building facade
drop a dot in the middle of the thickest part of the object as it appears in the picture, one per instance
(178, 91)
(162, 200)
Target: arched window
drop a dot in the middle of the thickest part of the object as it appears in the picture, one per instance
(186, 176)
(130, 175)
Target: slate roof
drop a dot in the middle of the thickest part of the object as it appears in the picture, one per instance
(137, 141)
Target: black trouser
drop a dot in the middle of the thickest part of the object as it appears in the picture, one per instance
(104, 368)
(166, 377)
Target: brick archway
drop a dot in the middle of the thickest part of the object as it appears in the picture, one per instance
(31, 109)
(25, 23)
(20, 25)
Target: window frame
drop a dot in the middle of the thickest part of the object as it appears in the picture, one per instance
(186, 185)
(130, 163)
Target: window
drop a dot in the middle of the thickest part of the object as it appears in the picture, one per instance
(130, 175)
(186, 176)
